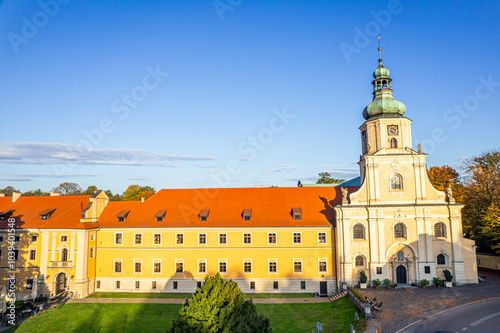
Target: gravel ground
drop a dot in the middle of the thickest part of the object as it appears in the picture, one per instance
(405, 306)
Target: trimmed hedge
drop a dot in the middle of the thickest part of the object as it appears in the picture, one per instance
(358, 295)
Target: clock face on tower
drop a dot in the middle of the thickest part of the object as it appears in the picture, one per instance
(392, 130)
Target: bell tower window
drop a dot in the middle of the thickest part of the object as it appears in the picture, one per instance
(396, 182)
(394, 143)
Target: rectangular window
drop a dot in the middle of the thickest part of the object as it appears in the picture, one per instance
(1, 239)
(98, 286)
(29, 284)
(272, 238)
(297, 238)
(64, 238)
(275, 285)
(322, 266)
(379, 270)
(137, 284)
(198, 284)
(247, 239)
(138, 239)
(0, 253)
(157, 239)
(202, 267)
(252, 285)
(179, 267)
(302, 285)
(297, 266)
(322, 237)
(118, 266)
(273, 267)
(138, 267)
(427, 269)
(157, 267)
(175, 285)
(34, 238)
(117, 284)
(222, 239)
(153, 285)
(118, 238)
(92, 252)
(247, 267)
(222, 267)
(202, 239)
(16, 255)
(32, 254)
(179, 239)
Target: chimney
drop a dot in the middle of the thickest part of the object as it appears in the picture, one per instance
(2, 195)
(54, 194)
(15, 196)
(142, 199)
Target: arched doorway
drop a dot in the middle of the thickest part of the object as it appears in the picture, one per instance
(60, 283)
(64, 255)
(401, 274)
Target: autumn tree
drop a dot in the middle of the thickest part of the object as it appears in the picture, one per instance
(68, 189)
(136, 192)
(326, 178)
(90, 190)
(219, 306)
(443, 176)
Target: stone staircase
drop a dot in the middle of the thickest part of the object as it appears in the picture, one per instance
(337, 296)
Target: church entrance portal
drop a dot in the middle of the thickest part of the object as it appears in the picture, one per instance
(60, 283)
(401, 275)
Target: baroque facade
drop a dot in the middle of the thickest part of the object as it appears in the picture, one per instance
(394, 225)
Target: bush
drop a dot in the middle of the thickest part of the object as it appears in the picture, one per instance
(362, 277)
(437, 281)
(377, 282)
(219, 306)
(387, 282)
(424, 282)
(358, 295)
(447, 275)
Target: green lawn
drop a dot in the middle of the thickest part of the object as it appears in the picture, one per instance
(103, 318)
(279, 295)
(139, 295)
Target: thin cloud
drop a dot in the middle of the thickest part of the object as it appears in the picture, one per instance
(73, 175)
(61, 153)
(16, 179)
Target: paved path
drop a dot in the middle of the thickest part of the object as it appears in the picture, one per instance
(477, 317)
(181, 300)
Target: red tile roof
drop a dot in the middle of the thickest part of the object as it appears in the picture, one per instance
(27, 211)
(270, 207)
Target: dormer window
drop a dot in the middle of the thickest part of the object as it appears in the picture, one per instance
(122, 216)
(247, 214)
(6, 214)
(204, 214)
(160, 216)
(297, 213)
(45, 215)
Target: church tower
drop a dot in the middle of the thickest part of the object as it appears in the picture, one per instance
(397, 226)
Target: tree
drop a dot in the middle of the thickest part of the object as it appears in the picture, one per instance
(8, 191)
(36, 193)
(116, 197)
(90, 190)
(443, 176)
(133, 192)
(68, 189)
(326, 178)
(219, 306)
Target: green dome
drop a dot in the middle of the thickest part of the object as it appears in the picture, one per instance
(381, 72)
(383, 103)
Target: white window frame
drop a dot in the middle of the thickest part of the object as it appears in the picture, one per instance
(294, 260)
(405, 231)
(219, 261)
(275, 236)
(251, 266)
(446, 260)
(29, 254)
(92, 252)
(206, 239)
(326, 265)
(36, 238)
(121, 266)
(179, 244)
(60, 238)
(270, 260)
(198, 266)
(153, 239)
(364, 260)
(364, 232)
(142, 239)
(153, 268)
(218, 239)
(326, 238)
(243, 238)
(180, 261)
(142, 266)
(293, 238)
(115, 243)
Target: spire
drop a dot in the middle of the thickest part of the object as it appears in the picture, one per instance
(383, 103)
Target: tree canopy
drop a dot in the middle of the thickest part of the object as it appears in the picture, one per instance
(219, 306)
(8, 191)
(326, 178)
(68, 189)
(136, 192)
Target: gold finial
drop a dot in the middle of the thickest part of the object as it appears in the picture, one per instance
(379, 56)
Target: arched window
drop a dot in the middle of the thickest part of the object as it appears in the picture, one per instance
(396, 182)
(359, 231)
(64, 255)
(360, 261)
(394, 143)
(400, 230)
(441, 259)
(440, 230)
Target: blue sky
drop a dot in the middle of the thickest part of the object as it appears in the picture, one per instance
(184, 94)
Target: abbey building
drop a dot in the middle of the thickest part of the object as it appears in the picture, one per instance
(393, 224)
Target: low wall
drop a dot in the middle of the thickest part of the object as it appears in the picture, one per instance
(363, 307)
(488, 261)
